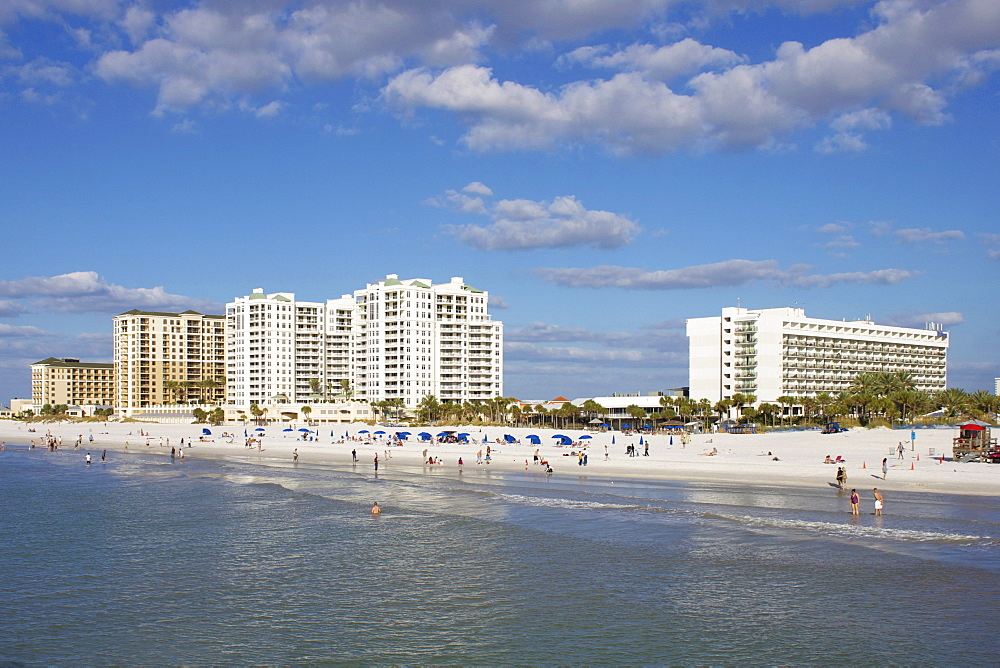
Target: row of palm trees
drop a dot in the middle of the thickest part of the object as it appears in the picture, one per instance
(883, 396)
(182, 389)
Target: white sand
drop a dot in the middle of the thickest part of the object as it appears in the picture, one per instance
(740, 458)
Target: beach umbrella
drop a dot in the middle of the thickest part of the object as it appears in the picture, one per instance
(640, 440)
(331, 433)
(671, 439)
(626, 426)
(259, 429)
(586, 436)
(484, 438)
(534, 439)
(245, 433)
(303, 429)
(612, 439)
(509, 438)
(287, 429)
(207, 432)
(443, 433)
(379, 433)
(424, 436)
(363, 431)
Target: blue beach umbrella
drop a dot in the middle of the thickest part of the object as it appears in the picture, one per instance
(671, 439)
(379, 433)
(424, 436)
(585, 436)
(259, 429)
(640, 440)
(612, 439)
(305, 430)
(532, 438)
(245, 433)
(363, 431)
(484, 438)
(206, 432)
(509, 438)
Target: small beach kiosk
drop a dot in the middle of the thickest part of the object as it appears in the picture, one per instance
(974, 443)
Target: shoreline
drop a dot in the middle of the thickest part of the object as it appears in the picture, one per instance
(740, 458)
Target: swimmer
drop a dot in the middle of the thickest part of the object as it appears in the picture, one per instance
(375, 509)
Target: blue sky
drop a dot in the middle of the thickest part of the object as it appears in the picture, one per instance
(605, 169)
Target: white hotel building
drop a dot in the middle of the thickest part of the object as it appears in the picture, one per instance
(392, 339)
(780, 352)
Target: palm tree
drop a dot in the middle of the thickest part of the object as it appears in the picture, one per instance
(306, 412)
(768, 410)
(953, 401)
(982, 404)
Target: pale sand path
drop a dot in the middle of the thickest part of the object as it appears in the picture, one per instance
(741, 459)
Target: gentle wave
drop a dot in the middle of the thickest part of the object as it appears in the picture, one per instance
(855, 531)
(564, 503)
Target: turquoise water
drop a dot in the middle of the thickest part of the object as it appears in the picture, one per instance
(140, 560)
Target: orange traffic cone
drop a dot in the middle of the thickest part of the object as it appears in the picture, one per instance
(913, 467)
(864, 465)
(918, 456)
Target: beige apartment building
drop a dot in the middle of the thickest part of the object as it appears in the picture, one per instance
(71, 382)
(168, 358)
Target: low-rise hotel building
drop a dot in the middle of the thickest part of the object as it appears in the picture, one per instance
(777, 352)
(70, 382)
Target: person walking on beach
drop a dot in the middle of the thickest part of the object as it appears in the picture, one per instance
(841, 477)
(376, 462)
(885, 467)
(855, 500)
(88, 459)
(295, 456)
(899, 450)
(354, 456)
(878, 502)
(606, 452)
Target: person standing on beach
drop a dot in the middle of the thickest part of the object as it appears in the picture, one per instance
(88, 459)
(376, 462)
(295, 456)
(354, 456)
(878, 502)
(899, 450)
(885, 467)
(855, 500)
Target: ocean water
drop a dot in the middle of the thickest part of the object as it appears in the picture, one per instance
(144, 560)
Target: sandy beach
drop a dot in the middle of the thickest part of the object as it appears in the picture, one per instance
(772, 459)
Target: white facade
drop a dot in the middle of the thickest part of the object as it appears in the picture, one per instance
(391, 339)
(780, 352)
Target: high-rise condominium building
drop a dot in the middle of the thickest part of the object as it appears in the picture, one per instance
(71, 382)
(390, 340)
(780, 352)
(169, 358)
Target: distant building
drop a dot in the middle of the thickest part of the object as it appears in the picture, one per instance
(394, 339)
(168, 358)
(780, 352)
(68, 381)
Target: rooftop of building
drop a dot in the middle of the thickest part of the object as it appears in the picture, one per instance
(74, 363)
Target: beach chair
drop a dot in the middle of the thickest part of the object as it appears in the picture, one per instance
(931, 452)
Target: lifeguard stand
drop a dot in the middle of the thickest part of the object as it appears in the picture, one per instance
(973, 442)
